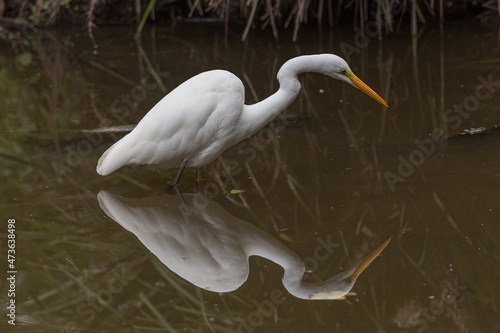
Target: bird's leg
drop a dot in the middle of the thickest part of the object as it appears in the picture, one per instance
(200, 174)
(179, 173)
(181, 197)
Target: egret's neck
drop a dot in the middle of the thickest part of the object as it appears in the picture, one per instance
(267, 247)
(256, 116)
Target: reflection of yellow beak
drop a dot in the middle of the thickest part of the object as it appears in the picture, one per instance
(364, 88)
(368, 260)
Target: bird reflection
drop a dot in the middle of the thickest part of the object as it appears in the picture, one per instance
(204, 244)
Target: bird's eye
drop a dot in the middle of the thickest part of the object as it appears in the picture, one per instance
(343, 71)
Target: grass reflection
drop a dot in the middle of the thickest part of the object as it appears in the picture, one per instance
(80, 271)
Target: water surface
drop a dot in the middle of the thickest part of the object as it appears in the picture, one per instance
(332, 178)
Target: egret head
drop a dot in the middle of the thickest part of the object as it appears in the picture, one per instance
(339, 69)
(341, 284)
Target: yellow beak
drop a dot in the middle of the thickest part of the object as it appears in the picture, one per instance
(367, 261)
(364, 88)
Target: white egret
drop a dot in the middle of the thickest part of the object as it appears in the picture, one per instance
(204, 116)
(201, 242)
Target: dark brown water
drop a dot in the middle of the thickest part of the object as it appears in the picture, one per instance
(326, 183)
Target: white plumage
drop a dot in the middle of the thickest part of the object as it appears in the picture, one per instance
(200, 241)
(197, 129)
(205, 115)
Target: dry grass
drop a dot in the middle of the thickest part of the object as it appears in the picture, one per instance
(274, 15)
